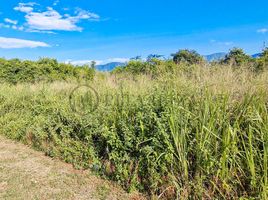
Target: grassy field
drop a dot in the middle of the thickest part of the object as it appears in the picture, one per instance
(193, 134)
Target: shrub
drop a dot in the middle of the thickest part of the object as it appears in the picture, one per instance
(45, 69)
(236, 57)
(262, 61)
(187, 56)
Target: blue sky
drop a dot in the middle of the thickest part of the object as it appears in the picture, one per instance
(102, 30)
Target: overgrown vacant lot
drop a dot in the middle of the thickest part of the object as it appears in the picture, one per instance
(193, 133)
(27, 174)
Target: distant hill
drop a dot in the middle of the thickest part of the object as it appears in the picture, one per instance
(215, 56)
(212, 57)
(219, 56)
(109, 66)
(257, 55)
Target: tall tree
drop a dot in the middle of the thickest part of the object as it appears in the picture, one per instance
(236, 57)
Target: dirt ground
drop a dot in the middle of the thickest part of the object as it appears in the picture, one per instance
(28, 174)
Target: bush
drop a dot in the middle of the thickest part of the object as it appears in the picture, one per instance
(262, 61)
(45, 69)
(187, 56)
(236, 57)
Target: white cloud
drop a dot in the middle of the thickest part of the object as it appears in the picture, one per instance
(14, 43)
(10, 21)
(228, 43)
(98, 62)
(39, 31)
(25, 7)
(52, 20)
(4, 25)
(12, 26)
(263, 30)
(83, 14)
(56, 2)
(15, 27)
(123, 60)
(83, 62)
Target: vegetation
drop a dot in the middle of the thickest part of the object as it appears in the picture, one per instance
(237, 57)
(262, 62)
(45, 69)
(172, 130)
(186, 60)
(187, 56)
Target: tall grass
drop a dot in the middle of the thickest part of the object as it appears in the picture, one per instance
(198, 134)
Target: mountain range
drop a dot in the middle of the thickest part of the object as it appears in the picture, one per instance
(257, 55)
(215, 56)
(109, 66)
(209, 58)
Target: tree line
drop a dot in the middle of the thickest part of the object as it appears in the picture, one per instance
(236, 58)
(45, 69)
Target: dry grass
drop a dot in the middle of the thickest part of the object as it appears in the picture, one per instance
(27, 174)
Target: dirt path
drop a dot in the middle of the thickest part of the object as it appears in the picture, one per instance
(27, 174)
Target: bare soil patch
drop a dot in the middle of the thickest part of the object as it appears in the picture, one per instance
(28, 174)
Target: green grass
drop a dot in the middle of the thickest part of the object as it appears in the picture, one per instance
(199, 133)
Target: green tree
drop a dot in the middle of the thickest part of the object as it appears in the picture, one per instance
(187, 56)
(154, 59)
(93, 64)
(236, 57)
(45, 69)
(262, 61)
(136, 58)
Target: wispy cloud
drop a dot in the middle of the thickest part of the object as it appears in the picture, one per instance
(123, 60)
(25, 7)
(227, 43)
(12, 26)
(10, 21)
(98, 62)
(4, 25)
(263, 30)
(15, 43)
(56, 2)
(83, 62)
(51, 20)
